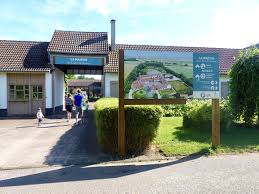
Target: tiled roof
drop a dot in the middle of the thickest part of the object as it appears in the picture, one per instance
(226, 55)
(79, 42)
(113, 64)
(23, 56)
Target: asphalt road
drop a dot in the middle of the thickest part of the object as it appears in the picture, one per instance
(55, 142)
(216, 174)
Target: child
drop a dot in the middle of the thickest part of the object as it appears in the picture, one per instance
(39, 116)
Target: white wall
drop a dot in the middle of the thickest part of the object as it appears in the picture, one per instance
(224, 78)
(59, 87)
(3, 89)
(109, 77)
(48, 90)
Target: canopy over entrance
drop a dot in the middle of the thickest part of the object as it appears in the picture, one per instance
(79, 52)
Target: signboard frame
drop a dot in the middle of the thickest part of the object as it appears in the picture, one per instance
(123, 102)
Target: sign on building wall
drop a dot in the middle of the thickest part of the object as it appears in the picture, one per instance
(66, 60)
(205, 75)
(170, 75)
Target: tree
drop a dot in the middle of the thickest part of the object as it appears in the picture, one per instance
(67, 78)
(244, 85)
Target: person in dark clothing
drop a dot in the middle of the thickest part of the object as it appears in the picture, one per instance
(69, 105)
(78, 101)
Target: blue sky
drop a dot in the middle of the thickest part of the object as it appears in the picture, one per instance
(211, 23)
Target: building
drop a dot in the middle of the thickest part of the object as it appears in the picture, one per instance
(93, 88)
(32, 73)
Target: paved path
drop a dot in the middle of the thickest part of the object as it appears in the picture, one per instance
(56, 142)
(219, 174)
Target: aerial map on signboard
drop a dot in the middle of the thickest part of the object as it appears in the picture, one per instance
(157, 74)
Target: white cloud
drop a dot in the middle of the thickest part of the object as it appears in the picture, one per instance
(107, 7)
(59, 6)
(235, 28)
(178, 1)
(156, 3)
(154, 38)
(162, 12)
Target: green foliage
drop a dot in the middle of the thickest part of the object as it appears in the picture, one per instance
(244, 85)
(67, 78)
(140, 94)
(174, 110)
(141, 125)
(199, 114)
(181, 87)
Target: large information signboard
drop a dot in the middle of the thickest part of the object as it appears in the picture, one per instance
(170, 75)
(205, 75)
(167, 77)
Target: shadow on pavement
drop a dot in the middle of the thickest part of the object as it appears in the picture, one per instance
(78, 146)
(79, 173)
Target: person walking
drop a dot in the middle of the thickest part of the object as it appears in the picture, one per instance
(69, 105)
(78, 101)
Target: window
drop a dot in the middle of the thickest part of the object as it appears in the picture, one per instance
(37, 93)
(19, 92)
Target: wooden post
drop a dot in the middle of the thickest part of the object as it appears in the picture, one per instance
(121, 110)
(215, 123)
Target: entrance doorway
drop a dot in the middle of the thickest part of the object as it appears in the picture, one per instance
(91, 86)
(25, 93)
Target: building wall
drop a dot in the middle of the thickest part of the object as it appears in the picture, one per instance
(59, 90)
(48, 90)
(3, 96)
(109, 77)
(224, 86)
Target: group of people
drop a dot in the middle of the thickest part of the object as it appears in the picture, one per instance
(75, 104)
(72, 104)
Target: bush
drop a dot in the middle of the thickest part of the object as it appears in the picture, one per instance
(176, 110)
(199, 113)
(141, 125)
(244, 86)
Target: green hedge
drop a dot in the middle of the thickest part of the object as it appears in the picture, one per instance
(141, 125)
(176, 110)
(199, 113)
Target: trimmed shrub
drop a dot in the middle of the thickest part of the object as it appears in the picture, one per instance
(141, 125)
(199, 114)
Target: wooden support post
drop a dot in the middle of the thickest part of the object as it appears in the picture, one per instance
(121, 111)
(215, 123)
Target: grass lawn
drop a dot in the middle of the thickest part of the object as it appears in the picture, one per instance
(180, 68)
(167, 91)
(180, 87)
(172, 139)
(140, 94)
(129, 66)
